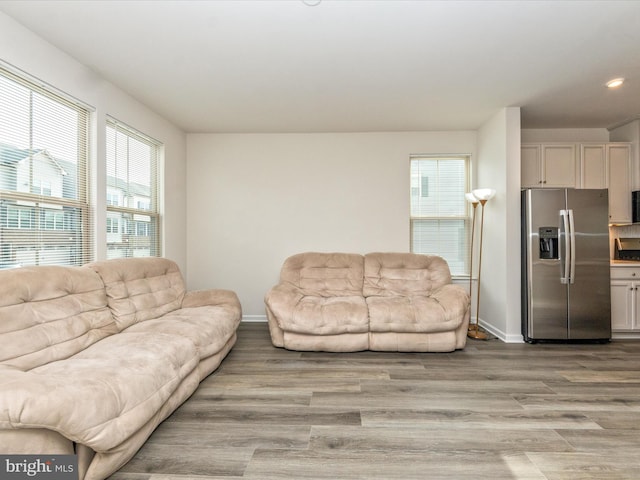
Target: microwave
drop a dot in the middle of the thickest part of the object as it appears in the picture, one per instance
(635, 206)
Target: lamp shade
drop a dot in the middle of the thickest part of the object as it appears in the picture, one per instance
(484, 193)
(471, 198)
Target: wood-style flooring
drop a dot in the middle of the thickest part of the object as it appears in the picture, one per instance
(491, 411)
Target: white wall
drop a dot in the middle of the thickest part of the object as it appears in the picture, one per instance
(630, 132)
(573, 135)
(499, 168)
(24, 50)
(255, 199)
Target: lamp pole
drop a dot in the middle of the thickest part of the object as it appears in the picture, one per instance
(483, 195)
(474, 203)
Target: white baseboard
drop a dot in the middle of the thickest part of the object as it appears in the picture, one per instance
(625, 336)
(500, 334)
(254, 318)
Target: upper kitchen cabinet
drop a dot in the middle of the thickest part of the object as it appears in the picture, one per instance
(594, 171)
(548, 166)
(608, 165)
(619, 162)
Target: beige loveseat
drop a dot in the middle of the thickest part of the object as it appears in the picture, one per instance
(342, 302)
(93, 358)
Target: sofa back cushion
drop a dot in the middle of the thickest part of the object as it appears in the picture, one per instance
(139, 289)
(50, 313)
(403, 274)
(324, 274)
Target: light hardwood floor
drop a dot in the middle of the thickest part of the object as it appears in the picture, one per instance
(492, 411)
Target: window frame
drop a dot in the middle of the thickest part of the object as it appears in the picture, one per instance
(129, 216)
(41, 200)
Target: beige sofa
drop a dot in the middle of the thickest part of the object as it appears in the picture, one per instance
(93, 358)
(341, 302)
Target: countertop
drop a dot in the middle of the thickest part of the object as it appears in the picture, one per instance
(625, 263)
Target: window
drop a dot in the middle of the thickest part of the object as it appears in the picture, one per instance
(440, 216)
(44, 214)
(132, 193)
(113, 198)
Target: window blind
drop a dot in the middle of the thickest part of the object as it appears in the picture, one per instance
(440, 222)
(44, 211)
(132, 193)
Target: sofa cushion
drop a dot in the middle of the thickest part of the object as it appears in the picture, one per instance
(324, 315)
(139, 289)
(324, 274)
(393, 274)
(442, 311)
(49, 313)
(209, 327)
(103, 395)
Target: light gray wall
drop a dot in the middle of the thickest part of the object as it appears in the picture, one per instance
(255, 199)
(22, 49)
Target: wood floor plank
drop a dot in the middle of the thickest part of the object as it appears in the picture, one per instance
(259, 415)
(586, 466)
(207, 434)
(156, 458)
(293, 384)
(416, 400)
(471, 420)
(596, 389)
(430, 439)
(625, 420)
(375, 465)
(601, 376)
(577, 402)
(453, 387)
(605, 441)
(221, 397)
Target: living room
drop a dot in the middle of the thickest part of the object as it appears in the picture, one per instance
(239, 198)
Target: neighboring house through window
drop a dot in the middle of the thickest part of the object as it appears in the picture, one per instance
(44, 212)
(133, 219)
(440, 221)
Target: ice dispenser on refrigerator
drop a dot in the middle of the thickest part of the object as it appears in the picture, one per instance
(548, 242)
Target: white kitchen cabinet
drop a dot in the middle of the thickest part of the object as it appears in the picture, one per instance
(594, 170)
(619, 161)
(608, 165)
(530, 166)
(625, 303)
(548, 166)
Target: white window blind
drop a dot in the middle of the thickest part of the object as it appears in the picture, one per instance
(440, 222)
(44, 214)
(132, 193)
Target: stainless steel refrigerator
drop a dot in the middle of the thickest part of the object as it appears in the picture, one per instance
(566, 291)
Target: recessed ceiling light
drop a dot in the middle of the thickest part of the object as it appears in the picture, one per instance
(616, 82)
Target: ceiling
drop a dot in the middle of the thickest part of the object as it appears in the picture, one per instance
(345, 66)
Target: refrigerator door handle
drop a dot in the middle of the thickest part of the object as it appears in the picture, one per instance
(572, 250)
(565, 263)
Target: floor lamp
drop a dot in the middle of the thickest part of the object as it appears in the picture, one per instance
(474, 203)
(483, 195)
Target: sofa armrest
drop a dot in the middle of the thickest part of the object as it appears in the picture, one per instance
(454, 298)
(24, 401)
(281, 299)
(201, 298)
